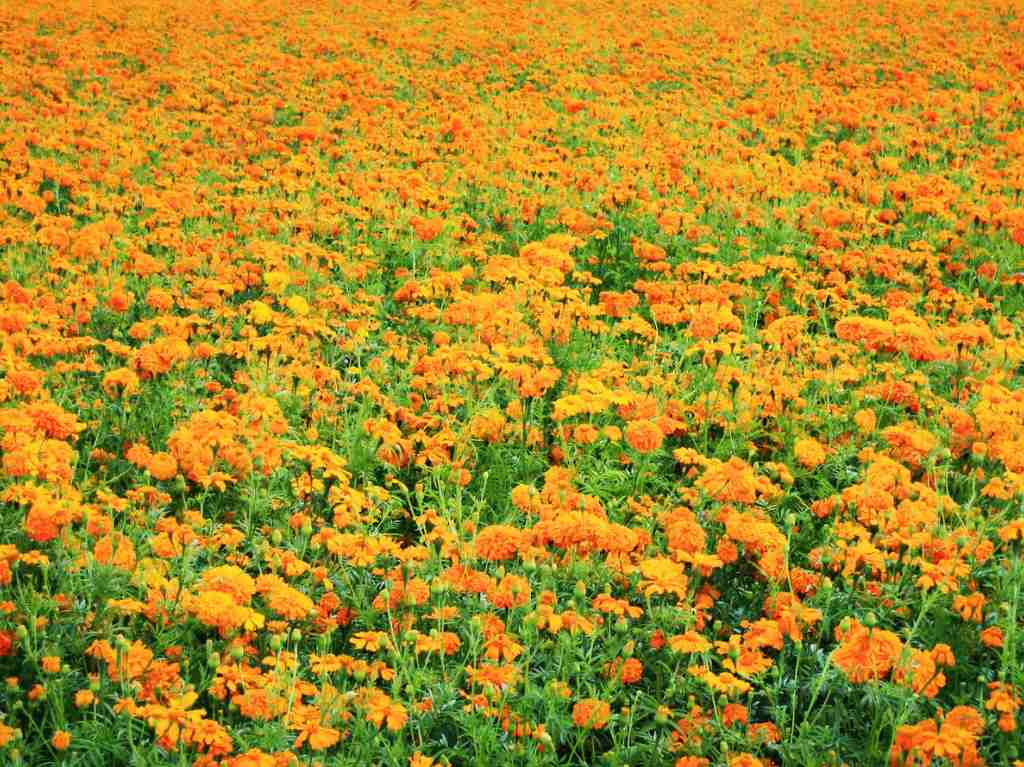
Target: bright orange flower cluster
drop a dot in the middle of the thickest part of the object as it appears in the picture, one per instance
(620, 382)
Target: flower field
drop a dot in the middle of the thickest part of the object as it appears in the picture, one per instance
(482, 383)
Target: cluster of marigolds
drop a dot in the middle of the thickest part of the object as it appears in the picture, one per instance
(451, 383)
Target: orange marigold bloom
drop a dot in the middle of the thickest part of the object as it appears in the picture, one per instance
(427, 229)
(159, 300)
(970, 607)
(662, 575)
(162, 466)
(116, 550)
(689, 642)
(733, 481)
(866, 654)
(6, 734)
(371, 641)
(61, 740)
(1004, 700)
(764, 732)
(218, 610)
(288, 602)
(920, 673)
(865, 420)
(591, 713)
(810, 453)
(644, 436)
(992, 637)
(498, 543)
(50, 664)
(317, 736)
(511, 591)
(733, 713)
(631, 672)
(746, 760)
(382, 710)
(120, 300)
(25, 382)
(1012, 531)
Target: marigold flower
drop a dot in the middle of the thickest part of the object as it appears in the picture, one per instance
(690, 642)
(384, 711)
(499, 543)
(866, 654)
(317, 736)
(591, 714)
(117, 550)
(50, 664)
(162, 466)
(644, 436)
(992, 637)
(810, 453)
(61, 740)
(631, 672)
(120, 300)
(6, 734)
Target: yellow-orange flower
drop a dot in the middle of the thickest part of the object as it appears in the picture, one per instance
(61, 740)
(644, 436)
(591, 713)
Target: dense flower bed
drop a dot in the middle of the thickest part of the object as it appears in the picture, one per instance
(538, 383)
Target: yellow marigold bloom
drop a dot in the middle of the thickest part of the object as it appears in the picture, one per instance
(260, 313)
(297, 305)
(170, 722)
